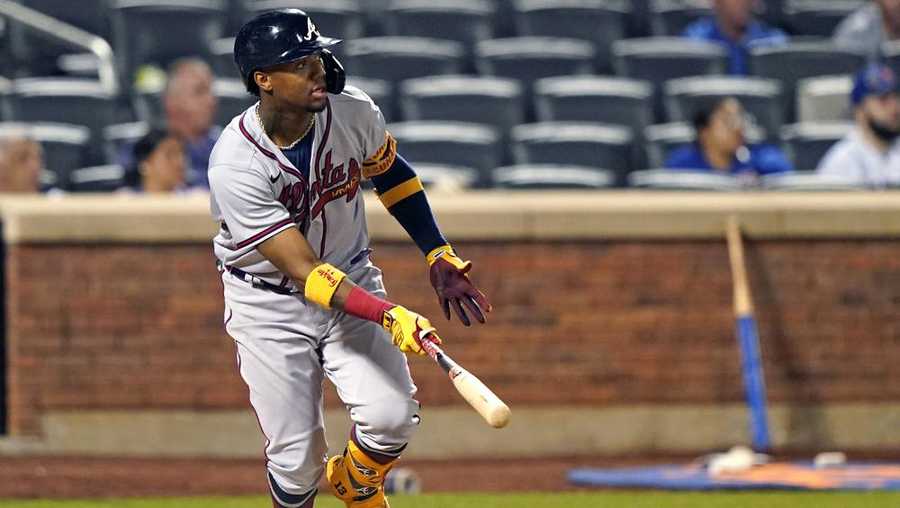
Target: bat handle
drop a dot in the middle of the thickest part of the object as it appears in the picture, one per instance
(437, 354)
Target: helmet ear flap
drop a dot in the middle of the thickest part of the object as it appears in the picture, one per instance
(335, 76)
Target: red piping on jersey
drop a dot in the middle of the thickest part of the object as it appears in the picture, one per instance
(267, 153)
(265, 232)
(319, 175)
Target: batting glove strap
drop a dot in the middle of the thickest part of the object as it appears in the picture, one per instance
(407, 329)
(446, 253)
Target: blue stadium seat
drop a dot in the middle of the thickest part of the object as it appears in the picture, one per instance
(665, 179)
(463, 21)
(222, 54)
(824, 99)
(552, 176)
(671, 17)
(599, 22)
(394, 59)
(450, 143)
(381, 92)
(659, 59)
(344, 19)
(574, 143)
(803, 59)
(65, 146)
(495, 102)
(64, 100)
(806, 143)
(158, 33)
(817, 17)
(808, 181)
(761, 98)
(595, 99)
(37, 55)
(105, 178)
(233, 99)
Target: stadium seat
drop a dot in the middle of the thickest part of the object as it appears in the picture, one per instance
(380, 91)
(121, 137)
(800, 181)
(64, 146)
(233, 99)
(552, 176)
(574, 143)
(671, 17)
(157, 33)
(65, 100)
(450, 143)
(394, 59)
(659, 59)
(667, 179)
(772, 12)
(442, 177)
(806, 143)
(608, 100)
(761, 98)
(344, 19)
(661, 139)
(38, 55)
(463, 21)
(599, 22)
(531, 58)
(798, 60)
(817, 17)
(222, 56)
(97, 178)
(496, 102)
(890, 53)
(824, 99)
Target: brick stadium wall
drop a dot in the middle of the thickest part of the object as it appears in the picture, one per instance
(575, 323)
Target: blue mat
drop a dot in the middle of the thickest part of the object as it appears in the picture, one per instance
(778, 475)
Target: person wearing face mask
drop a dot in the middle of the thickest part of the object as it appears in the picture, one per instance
(869, 155)
(721, 147)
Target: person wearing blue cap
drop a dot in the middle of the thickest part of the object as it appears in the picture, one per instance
(869, 155)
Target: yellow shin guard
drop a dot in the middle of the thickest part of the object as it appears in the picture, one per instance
(356, 479)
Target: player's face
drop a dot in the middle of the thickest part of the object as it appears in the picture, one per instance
(300, 84)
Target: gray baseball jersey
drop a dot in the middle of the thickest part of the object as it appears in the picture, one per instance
(286, 345)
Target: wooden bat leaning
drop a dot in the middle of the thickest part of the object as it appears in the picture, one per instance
(494, 411)
(748, 338)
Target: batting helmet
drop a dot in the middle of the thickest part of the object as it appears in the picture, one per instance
(283, 36)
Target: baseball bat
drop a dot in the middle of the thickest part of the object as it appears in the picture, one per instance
(494, 411)
(748, 338)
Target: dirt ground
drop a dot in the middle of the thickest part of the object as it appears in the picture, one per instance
(68, 477)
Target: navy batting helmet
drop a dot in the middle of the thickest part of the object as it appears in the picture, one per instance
(283, 36)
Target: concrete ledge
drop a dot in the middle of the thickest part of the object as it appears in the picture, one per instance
(458, 432)
(483, 216)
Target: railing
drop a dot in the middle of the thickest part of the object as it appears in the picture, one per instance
(67, 33)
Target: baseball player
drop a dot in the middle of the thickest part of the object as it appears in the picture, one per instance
(303, 301)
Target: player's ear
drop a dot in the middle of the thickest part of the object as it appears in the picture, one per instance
(263, 81)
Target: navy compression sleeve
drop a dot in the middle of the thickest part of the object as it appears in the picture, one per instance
(402, 193)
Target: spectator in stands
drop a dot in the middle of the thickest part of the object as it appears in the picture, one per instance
(190, 108)
(734, 27)
(869, 27)
(721, 147)
(21, 161)
(159, 164)
(869, 155)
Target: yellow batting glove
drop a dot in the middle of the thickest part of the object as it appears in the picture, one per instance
(407, 329)
(446, 253)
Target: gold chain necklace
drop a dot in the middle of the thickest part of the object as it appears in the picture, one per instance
(309, 126)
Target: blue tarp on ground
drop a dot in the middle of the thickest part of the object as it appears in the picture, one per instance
(778, 475)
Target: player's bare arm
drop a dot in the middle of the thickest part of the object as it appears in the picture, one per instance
(328, 287)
